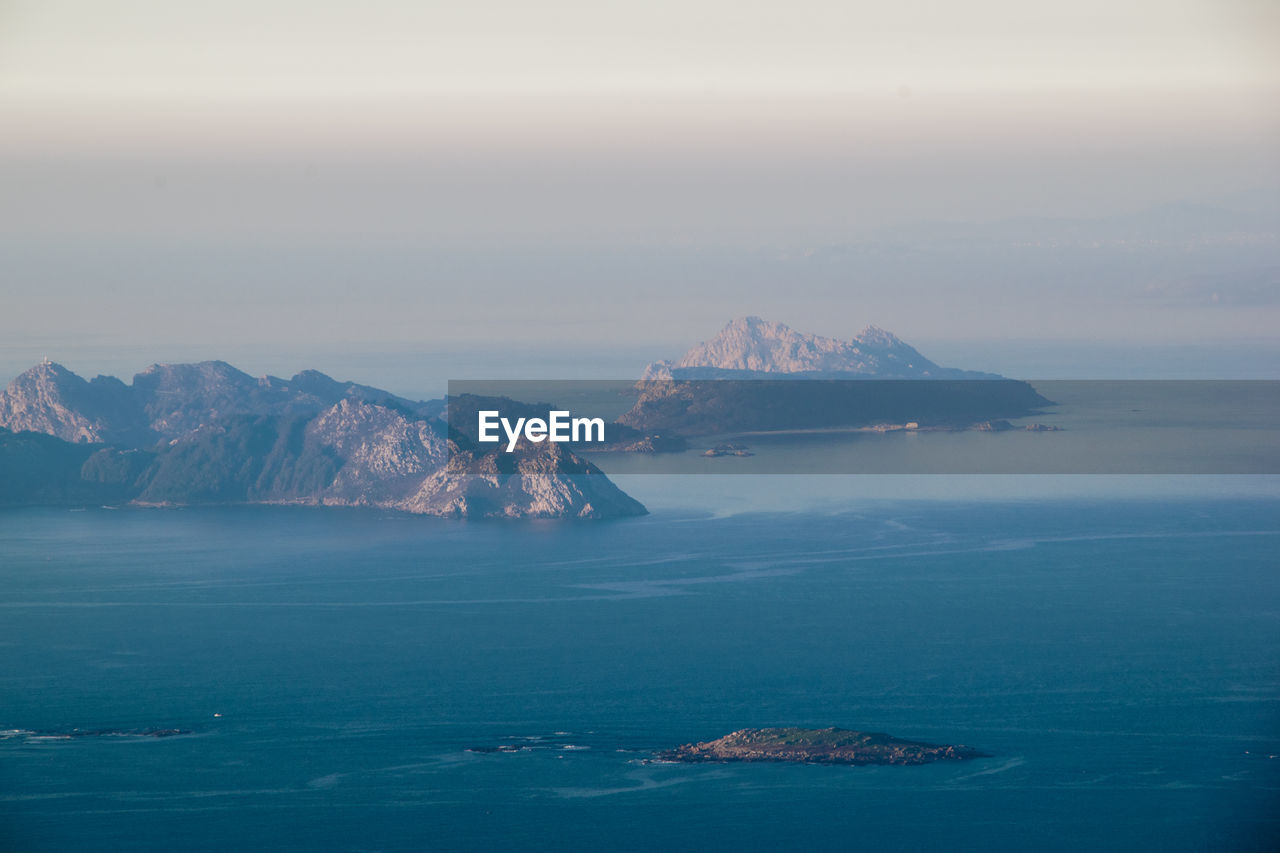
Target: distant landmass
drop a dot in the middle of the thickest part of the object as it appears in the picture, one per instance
(745, 380)
(209, 433)
(817, 746)
(750, 347)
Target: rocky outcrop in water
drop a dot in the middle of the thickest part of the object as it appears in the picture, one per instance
(817, 746)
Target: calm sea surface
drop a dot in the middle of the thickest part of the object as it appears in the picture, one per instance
(1119, 657)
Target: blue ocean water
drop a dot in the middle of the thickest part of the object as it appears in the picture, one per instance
(1119, 658)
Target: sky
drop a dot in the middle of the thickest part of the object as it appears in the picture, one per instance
(312, 179)
(244, 50)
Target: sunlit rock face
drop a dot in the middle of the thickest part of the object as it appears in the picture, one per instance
(541, 480)
(753, 345)
(51, 399)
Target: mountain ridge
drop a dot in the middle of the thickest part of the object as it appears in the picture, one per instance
(210, 433)
(166, 401)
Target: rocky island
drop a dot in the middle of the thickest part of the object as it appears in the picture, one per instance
(762, 376)
(728, 450)
(817, 746)
(207, 433)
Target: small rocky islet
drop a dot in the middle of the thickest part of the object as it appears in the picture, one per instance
(817, 746)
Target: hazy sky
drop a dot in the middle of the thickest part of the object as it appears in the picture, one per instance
(223, 175)
(253, 49)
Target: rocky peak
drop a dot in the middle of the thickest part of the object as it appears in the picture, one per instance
(44, 399)
(754, 345)
(874, 336)
(50, 379)
(51, 399)
(179, 398)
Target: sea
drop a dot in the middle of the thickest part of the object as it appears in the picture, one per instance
(361, 680)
